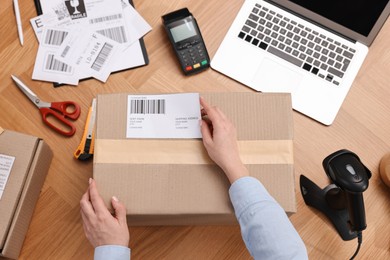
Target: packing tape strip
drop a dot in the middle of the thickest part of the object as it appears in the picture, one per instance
(131, 151)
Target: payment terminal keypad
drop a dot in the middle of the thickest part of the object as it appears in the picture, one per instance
(193, 55)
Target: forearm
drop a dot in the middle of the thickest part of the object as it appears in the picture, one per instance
(234, 171)
(266, 229)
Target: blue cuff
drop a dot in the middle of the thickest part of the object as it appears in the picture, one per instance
(112, 252)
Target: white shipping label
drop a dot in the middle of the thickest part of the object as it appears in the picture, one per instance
(6, 163)
(163, 116)
(91, 52)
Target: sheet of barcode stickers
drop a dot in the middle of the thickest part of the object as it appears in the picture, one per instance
(6, 163)
(84, 38)
(163, 116)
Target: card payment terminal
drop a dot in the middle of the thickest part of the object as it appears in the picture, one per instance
(187, 41)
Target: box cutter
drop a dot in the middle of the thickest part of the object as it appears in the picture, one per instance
(85, 149)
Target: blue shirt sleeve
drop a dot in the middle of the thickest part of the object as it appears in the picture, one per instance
(112, 252)
(265, 227)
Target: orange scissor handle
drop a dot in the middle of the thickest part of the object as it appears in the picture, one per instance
(69, 109)
(62, 125)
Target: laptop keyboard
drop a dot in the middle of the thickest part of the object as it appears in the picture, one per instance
(297, 44)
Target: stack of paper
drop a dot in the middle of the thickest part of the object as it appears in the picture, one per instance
(87, 38)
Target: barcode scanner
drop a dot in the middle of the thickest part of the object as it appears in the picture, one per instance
(347, 172)
(342, 201)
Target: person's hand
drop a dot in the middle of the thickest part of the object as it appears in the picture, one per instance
(100, 227)
(220, 141)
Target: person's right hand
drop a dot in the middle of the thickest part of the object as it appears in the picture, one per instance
(220, 141)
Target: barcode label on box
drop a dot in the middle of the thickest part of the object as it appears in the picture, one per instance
(163, 116)
(153, 106)
(6, 163)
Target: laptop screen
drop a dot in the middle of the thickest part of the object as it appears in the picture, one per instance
(359, 20)
(358, 15)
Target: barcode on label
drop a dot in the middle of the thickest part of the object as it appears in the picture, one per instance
(53, 64)
(54, 37)
(66, 50)
(117, 34)
(105, 18)
(151, 106)
(102, 57)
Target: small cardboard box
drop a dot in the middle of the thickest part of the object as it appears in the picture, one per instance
(24, 163)
(174, 182)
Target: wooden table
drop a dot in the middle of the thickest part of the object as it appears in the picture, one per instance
(362, 126)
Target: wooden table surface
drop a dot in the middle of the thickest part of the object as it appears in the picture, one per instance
(362, 126)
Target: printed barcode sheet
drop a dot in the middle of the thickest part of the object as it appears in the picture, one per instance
(93, 41)
(163, 116)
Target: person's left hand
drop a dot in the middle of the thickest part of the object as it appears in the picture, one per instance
(100, 227)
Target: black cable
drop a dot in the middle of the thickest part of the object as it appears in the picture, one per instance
(360, 239)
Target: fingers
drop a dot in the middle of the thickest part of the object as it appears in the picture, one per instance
(203, 102)
(86, 222)
(207, 109)
(120, 211)
(212, 112)
(86, 206)
(92, 204)
(87, 213)
(97, 201)
(206, 132)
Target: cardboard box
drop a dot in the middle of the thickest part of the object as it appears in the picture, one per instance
(174, 182)
(31, 158)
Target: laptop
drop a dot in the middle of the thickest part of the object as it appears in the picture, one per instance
(311, 49)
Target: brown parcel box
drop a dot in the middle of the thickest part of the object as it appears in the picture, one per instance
(173, 182)
(30, 167)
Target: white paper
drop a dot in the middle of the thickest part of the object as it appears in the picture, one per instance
(47, 67)
(48, 19)
(163, 116)
(6, 163)
(136, 25)
(115, 19)
(80, 9)
(90, 53)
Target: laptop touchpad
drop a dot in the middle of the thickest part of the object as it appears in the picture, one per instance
(272, 76)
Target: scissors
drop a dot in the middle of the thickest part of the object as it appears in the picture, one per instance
(59, 111)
